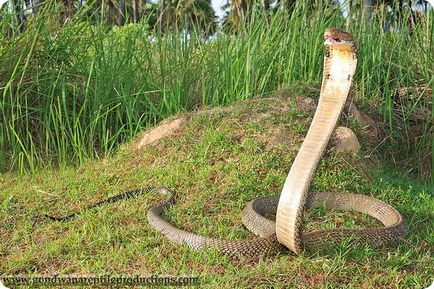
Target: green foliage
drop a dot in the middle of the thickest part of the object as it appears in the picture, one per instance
(218, 162)
(72, 91)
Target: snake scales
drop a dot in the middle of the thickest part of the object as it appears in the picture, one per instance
(339, 66)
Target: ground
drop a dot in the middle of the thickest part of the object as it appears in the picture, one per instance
(217, 160)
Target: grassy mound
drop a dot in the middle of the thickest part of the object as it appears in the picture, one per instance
(218, 160)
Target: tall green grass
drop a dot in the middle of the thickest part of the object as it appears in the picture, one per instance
(74, 91)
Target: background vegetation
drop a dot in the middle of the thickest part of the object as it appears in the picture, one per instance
(74, 86)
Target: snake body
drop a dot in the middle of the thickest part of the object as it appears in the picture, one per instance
(339, 66)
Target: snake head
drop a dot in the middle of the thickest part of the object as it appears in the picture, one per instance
(335, 36)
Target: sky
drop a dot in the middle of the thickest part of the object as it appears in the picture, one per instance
(216, 4)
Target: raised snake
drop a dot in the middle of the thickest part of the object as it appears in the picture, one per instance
(339, 67)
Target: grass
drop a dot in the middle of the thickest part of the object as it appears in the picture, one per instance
(218, 162)
(75, 91)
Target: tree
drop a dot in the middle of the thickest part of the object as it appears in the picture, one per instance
(111, 12)
(135, 11)
(163, 15)
(237, 14)
(121, 13)
(196, 14)
(188, 15)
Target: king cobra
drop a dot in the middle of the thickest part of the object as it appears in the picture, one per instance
(339, 66)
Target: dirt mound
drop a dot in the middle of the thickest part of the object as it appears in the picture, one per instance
(165, 129)
(279, 121)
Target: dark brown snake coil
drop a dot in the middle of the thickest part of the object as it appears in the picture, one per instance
(339, 66)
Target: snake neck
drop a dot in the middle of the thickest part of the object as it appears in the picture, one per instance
(339, 67)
